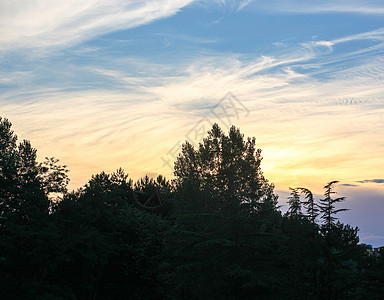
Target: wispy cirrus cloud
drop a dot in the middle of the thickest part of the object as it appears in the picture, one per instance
(46, 24)
(371, 181)
(376, 36)
(30, 24)
(312, 112)
(305, 6)
(309, 85)
(232, 5)
(349, 185)
(319, 6)
(100, 101)
(359, 182)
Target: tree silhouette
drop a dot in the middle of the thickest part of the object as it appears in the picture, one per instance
(310, 205)
(228, 214)
(327, 205)
(226, 239)
(54, 176)
(227, 167)
(24, 217)
(294, 209)
(22, 195)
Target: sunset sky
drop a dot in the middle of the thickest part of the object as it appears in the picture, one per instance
(122, 83)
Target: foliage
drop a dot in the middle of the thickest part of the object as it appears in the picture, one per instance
(327, 205)
(310, 205)
(224, 237)
(294, 209)
(226, 170)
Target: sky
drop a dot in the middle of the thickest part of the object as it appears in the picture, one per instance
(121, 83)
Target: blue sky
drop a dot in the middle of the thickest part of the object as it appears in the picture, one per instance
(108, 84)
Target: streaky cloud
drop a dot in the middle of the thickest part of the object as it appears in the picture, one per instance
(233, 5)
(41, 24)
(309, 109)
(349, 185)
(371, 181)
(376, 35)
(318, 6)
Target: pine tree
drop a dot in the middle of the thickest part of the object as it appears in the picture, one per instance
(228, 167)
(327, 205)
(294, 209)
(310, 205)
(22, 195)
(227, 233)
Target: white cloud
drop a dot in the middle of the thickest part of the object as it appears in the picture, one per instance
(233, 5)
(40, 23)
(312, 112)
(10, 77)
(319, 6)
(374, 35)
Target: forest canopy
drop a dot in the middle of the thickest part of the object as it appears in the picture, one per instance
(213, 232)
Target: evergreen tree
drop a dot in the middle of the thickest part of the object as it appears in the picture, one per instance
(227, 167)
(53, 177)
(22, 196)
(227, 235)
(225, 240)
(26, 234)
(339, 244)
(327, 205)
(310, 205)
(294, 209)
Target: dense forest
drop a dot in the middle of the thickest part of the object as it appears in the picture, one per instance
(214, 232)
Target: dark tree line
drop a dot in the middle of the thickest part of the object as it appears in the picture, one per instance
(214, 232)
